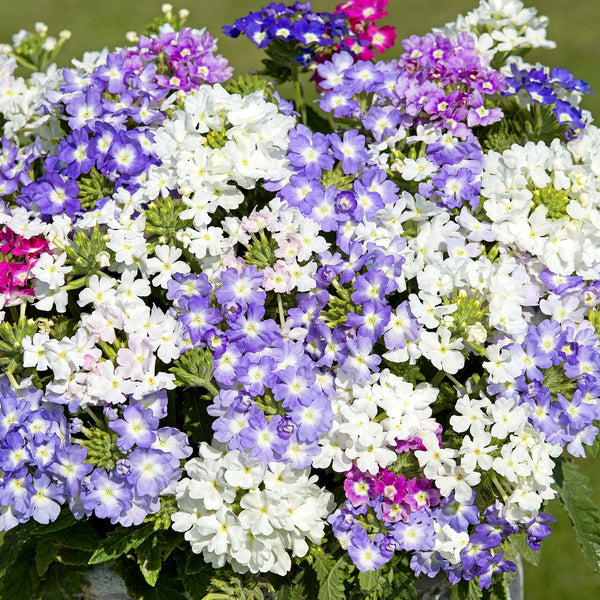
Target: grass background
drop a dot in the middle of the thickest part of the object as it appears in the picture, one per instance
(562, 574)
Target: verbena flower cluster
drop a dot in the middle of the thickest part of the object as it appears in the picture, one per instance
(363, 337)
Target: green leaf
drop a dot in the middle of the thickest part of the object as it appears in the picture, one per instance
(499, 588)
(149, 558)
(45, 554)
(331, 574)
(577, 500)
(404, 585)
(81, 537)
(60, 583)
(73, 556)
(466, 590)
(119, 541)
(168, 586)
(194, 573)
(19, 581)
(14, 539)
(153, 552)
(368, 580)
(517, 545)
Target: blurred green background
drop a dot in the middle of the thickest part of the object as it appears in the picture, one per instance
(574, 25)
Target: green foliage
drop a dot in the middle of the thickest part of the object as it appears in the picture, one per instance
(244, 85)
(261, 251)
(11, 338)
(193, 369)
(521, 125)
(61, 582)
(162, 222)
(101, 446)
(14, 539)
(168, 586)
(280, 63)
(466, 590)
(93, 187)
(332, 572)
(120, 541)
(45, 554)
(19, 582)
(408, 372)
(578, 502)
(83, 254)
(194, 573)
(516, 545)
(153, 552)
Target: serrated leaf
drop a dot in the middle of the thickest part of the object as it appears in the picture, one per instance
(61, 582)
(45, 554)
(149, 558)
(119, 541)
(368, 580)
(499, 588)
(466, 590)
(194, 573)
(577, 500)
(331, 574)
(195, 564)
(73, 556)
(516, 545)
(404, 586)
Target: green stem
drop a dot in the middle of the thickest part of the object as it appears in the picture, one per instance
(300, 104)
(280, 308)
(89, 411)
(211, 388)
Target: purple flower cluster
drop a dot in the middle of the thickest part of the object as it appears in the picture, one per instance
(446, 81)
(297, 24)
(560, 382)
(184, 59)
(148, 465)
(437, 80)
(347, 83)
(15, 165)
(458, 178)
(40, 465)
(552, 89)
(282, 408)
(417, 532)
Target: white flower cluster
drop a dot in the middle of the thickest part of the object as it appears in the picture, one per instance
(240, 510)
(502, 26)
(20, 99)
(371, 418)
(524, 459)
(545, 200)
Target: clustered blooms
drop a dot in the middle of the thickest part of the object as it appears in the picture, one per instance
(503, 28)
(363, 16)
(401, 313)
(19, 255)
(42, 465)
(298, 24)
(182, 60)
(317, 35)
(248, 511)
(437, 80)
(557, 89)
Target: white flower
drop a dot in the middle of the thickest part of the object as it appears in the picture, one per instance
(165, 263)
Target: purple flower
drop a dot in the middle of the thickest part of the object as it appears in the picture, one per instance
(309, 151)
(105, 495)
(243, 287)
(151, 471)
(137, 427)
(350, 150)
